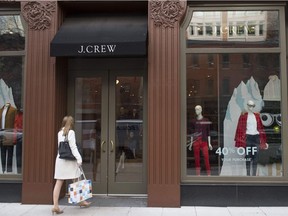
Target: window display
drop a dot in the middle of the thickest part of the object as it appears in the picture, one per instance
(232, 71)
(242, 144)
(11, 113)
(11, 102)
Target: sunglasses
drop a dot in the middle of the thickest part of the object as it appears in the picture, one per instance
(268, 119)
(249, 105)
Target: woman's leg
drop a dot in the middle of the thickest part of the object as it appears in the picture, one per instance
(56, 193)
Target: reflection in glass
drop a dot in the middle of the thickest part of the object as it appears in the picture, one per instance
(11, 33)
(129, 128)
(223, 93)
(224, 28)
(11, 114)
(88, 93)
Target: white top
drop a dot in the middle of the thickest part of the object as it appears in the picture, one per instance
(4, 115)
(272, 90)
(251, 124)
(67, 169)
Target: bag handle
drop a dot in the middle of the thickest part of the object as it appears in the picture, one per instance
(82, 173)
(66, 136)
(81, 170)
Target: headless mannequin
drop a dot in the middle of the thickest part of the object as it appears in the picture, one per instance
(201, 140)
(132, 142)
(18, 127)
(7, 115)
(134, 114)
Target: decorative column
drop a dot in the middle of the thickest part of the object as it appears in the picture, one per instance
(164, 102)
(39, 102)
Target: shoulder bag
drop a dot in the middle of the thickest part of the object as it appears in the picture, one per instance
(65, 150)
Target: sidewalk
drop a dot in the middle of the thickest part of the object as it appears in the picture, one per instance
(17, 209)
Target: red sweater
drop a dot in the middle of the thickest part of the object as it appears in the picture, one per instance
(18, 124)
(240, 135)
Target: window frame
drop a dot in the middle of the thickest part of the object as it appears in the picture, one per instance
(281, 50)
(21, 53)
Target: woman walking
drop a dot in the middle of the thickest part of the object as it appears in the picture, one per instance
(66, 169)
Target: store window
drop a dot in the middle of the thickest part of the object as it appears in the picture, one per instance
(233, 116)
(12, 53)
(253, 29)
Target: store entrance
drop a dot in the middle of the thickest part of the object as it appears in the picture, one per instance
(107, 99)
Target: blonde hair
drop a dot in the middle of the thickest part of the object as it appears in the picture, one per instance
(67, 124)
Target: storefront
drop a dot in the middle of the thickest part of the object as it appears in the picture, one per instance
(234, 57)
(157, 89)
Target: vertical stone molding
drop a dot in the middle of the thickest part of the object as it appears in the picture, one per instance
(164, 102)
(166, 13)
(38, 15)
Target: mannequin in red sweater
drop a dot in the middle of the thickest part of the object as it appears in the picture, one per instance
(250, 135)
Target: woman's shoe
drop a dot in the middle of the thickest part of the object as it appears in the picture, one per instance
(56, 211)
(84, 204)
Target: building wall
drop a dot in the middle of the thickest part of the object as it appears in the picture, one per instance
(45, 103)
(164, 103)
(44, 91)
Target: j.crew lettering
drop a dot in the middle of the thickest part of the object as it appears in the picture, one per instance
(108, 48)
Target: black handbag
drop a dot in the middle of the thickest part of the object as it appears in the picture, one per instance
(65, 150)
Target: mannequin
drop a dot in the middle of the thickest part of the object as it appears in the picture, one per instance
(250, 135)
(122, 130)
(7, 118)
(134, 114)
(18, 127)
(132, 142)
(122, 113)
(121, 162)
(201, 140)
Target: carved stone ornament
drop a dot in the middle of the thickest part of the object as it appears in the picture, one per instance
(166, 13)
(38, 14)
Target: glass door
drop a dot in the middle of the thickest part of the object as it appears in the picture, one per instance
(108, 108)
(125, 164)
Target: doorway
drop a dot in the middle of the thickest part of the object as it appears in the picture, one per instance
(107, 99)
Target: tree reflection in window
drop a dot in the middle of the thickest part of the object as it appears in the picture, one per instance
(12, 36)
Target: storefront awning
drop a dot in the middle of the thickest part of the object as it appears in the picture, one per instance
(103, 36)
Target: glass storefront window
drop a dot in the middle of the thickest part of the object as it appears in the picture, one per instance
(11, 33)
(12, 39)
(222, 95)
(11, 112)
(233, 125)
(234, 29)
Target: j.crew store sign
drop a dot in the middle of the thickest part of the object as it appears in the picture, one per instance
(97, 49)
(103, 50)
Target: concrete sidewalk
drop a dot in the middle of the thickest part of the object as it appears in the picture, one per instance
(18, 209)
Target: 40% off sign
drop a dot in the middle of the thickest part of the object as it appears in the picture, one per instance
(240, 150)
